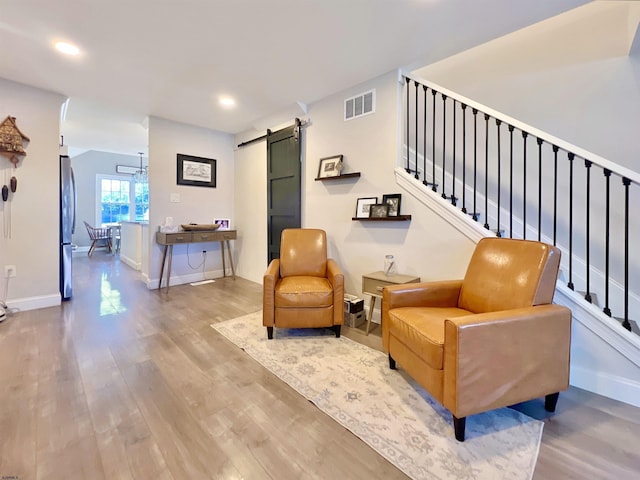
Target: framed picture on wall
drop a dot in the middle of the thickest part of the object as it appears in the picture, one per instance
(196, 171)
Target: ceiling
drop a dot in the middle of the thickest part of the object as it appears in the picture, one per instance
(174, 58)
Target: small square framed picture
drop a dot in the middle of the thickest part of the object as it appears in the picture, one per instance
(330, 166)
(224, 223)
(393, 200)
(379, 210)
(363, 206)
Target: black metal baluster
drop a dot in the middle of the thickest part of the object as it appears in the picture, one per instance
(464, 158)
(625, 323)
(453, 173)
(408, 169)
(555, 193)
(416, 176)
(475, 162)
(539, 188)
(434, 187)
(511, 129)
(486, 171)
(444, 142)
(607, 180)
(524, 184)
(498, 124)
(424, 139)
(587, 295)
(571, 156)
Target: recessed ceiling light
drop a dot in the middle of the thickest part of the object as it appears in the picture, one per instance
(67, 48)
(227, 102)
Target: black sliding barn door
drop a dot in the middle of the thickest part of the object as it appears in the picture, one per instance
(284, 191)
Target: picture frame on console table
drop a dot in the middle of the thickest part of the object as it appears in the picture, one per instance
(196, 171)
(225, 223)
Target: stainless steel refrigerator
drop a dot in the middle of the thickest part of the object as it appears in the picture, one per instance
(67, 226)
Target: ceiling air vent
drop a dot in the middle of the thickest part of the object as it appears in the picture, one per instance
(360, 105)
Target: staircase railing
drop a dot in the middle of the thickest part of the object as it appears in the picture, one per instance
(520, 182)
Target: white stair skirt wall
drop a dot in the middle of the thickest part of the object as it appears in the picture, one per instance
(605, 358)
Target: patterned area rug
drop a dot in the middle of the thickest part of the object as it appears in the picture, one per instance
(386, 409)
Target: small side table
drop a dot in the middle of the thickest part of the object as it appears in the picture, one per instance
(373, 283)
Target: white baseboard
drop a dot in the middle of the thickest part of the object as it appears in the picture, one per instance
(34, 303)
(607, 385)
(152, 283)
(130, 262)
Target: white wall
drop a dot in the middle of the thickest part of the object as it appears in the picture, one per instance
(250, 206)
(369, 145)
(196, 205)
(34, 208)
(570, 76)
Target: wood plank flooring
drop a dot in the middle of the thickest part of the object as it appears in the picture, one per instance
(126, 383)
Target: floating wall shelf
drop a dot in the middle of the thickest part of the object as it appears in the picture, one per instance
(398, 218)
(339, 177)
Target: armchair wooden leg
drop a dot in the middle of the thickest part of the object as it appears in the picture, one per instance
(392, 363)
(458, 427)
(270, 333)
(336, 329)
(550, 402)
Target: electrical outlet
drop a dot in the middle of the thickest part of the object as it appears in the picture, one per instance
(9, 271)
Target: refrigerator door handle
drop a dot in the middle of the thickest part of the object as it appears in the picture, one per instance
(74, 198)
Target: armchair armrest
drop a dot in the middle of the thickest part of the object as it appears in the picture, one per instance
(424, 294)
(497, 359)
(336, 277)
(443, 293)
(269, 281)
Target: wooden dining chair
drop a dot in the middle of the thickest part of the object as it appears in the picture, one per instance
(97, 235)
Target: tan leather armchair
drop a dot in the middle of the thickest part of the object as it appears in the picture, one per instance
(303, 288)
(488, 341)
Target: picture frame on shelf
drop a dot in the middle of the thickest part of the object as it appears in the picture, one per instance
(393, 200)
(363, 206)
(330, 166)
(379, 210)
(196, 171)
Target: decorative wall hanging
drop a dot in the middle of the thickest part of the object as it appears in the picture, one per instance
(8, 190)
(12, 146)
(12, 140)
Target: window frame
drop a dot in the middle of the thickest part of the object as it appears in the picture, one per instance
(98, 197)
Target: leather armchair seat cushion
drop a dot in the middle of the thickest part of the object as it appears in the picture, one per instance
(303, 292)
(421, 330)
